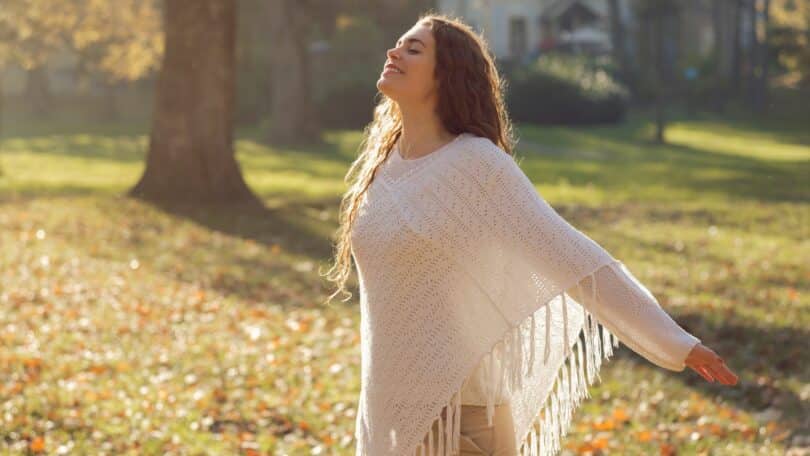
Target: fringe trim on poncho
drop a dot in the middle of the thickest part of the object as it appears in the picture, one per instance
(580, 369)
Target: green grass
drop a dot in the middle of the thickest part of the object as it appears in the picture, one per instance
(132, 329)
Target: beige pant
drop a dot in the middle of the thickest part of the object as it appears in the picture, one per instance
(477, 438)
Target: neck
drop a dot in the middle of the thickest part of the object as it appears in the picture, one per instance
(422, 130)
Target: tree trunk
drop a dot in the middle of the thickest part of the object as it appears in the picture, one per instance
(753, 52)
(720, 44)
(2, 112)
(191, 155)
(292, 118)
(38, 90)
(617, 40)
(660, 100)
(761, 90)
(717, 31)
(736, 50)
(110, 105)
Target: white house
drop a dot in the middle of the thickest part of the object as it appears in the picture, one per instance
(516, 29)
(523, 29)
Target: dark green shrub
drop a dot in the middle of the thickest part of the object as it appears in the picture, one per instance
(559, 89)
(700, 82)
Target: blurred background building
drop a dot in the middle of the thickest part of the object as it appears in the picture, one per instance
(524, 29)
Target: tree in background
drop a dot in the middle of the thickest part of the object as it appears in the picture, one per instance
(736, 56)
(119, 41)
(292, 114)
(657, 32)
(300, 97)
(29, 33)
(789, 40)
(761, 73)
(618, 42)
(346, 93)
(191, 154)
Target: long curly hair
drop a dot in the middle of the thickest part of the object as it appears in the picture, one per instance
(470, 100)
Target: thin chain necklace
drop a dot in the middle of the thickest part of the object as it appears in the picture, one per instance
(407, 157)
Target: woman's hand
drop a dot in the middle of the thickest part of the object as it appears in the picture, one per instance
(705, 362)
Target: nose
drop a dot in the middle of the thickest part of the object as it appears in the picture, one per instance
(392, 53)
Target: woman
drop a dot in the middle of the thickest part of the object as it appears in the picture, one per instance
(484, 314)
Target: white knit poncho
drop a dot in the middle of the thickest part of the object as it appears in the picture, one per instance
(459, 259)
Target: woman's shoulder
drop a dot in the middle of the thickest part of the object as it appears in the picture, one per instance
(482, 151)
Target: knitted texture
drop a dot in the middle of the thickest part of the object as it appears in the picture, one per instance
(459, 259)
(629, 311)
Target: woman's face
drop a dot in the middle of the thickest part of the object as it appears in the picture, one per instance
(408, 72)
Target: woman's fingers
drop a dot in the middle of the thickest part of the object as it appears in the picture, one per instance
(710, 366)
(720, 371)
(725, 375)
(703, 373)
(716, 371)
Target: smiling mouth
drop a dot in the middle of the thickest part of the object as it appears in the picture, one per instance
(393, 69)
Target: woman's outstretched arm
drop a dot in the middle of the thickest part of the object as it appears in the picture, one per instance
(631, 312)
(539, 240)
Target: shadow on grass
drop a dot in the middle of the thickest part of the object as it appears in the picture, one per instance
(266, 225)
(758, 355)
(298, 227)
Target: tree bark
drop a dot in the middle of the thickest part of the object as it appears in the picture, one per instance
(660, 99)
(292, 118)
(761, 90)
(753, 52)
(718, 31)
(191, 154)
(38, 90)
(722, 34)
(2, 111)
(617, 40)
(736, 50)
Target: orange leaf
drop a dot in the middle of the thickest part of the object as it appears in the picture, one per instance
(620, 414)
(749, 433)
(15, 388)
(37, 445)
(716, 429)
(644, 436)
(793, 295)
(605, 425)
(667, 449)
(600, 443)
(32, 363)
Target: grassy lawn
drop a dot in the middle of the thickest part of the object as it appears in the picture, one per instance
(133, 329)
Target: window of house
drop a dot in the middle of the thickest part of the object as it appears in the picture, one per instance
(518, 39)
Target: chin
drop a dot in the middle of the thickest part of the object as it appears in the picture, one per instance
(384, 86)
